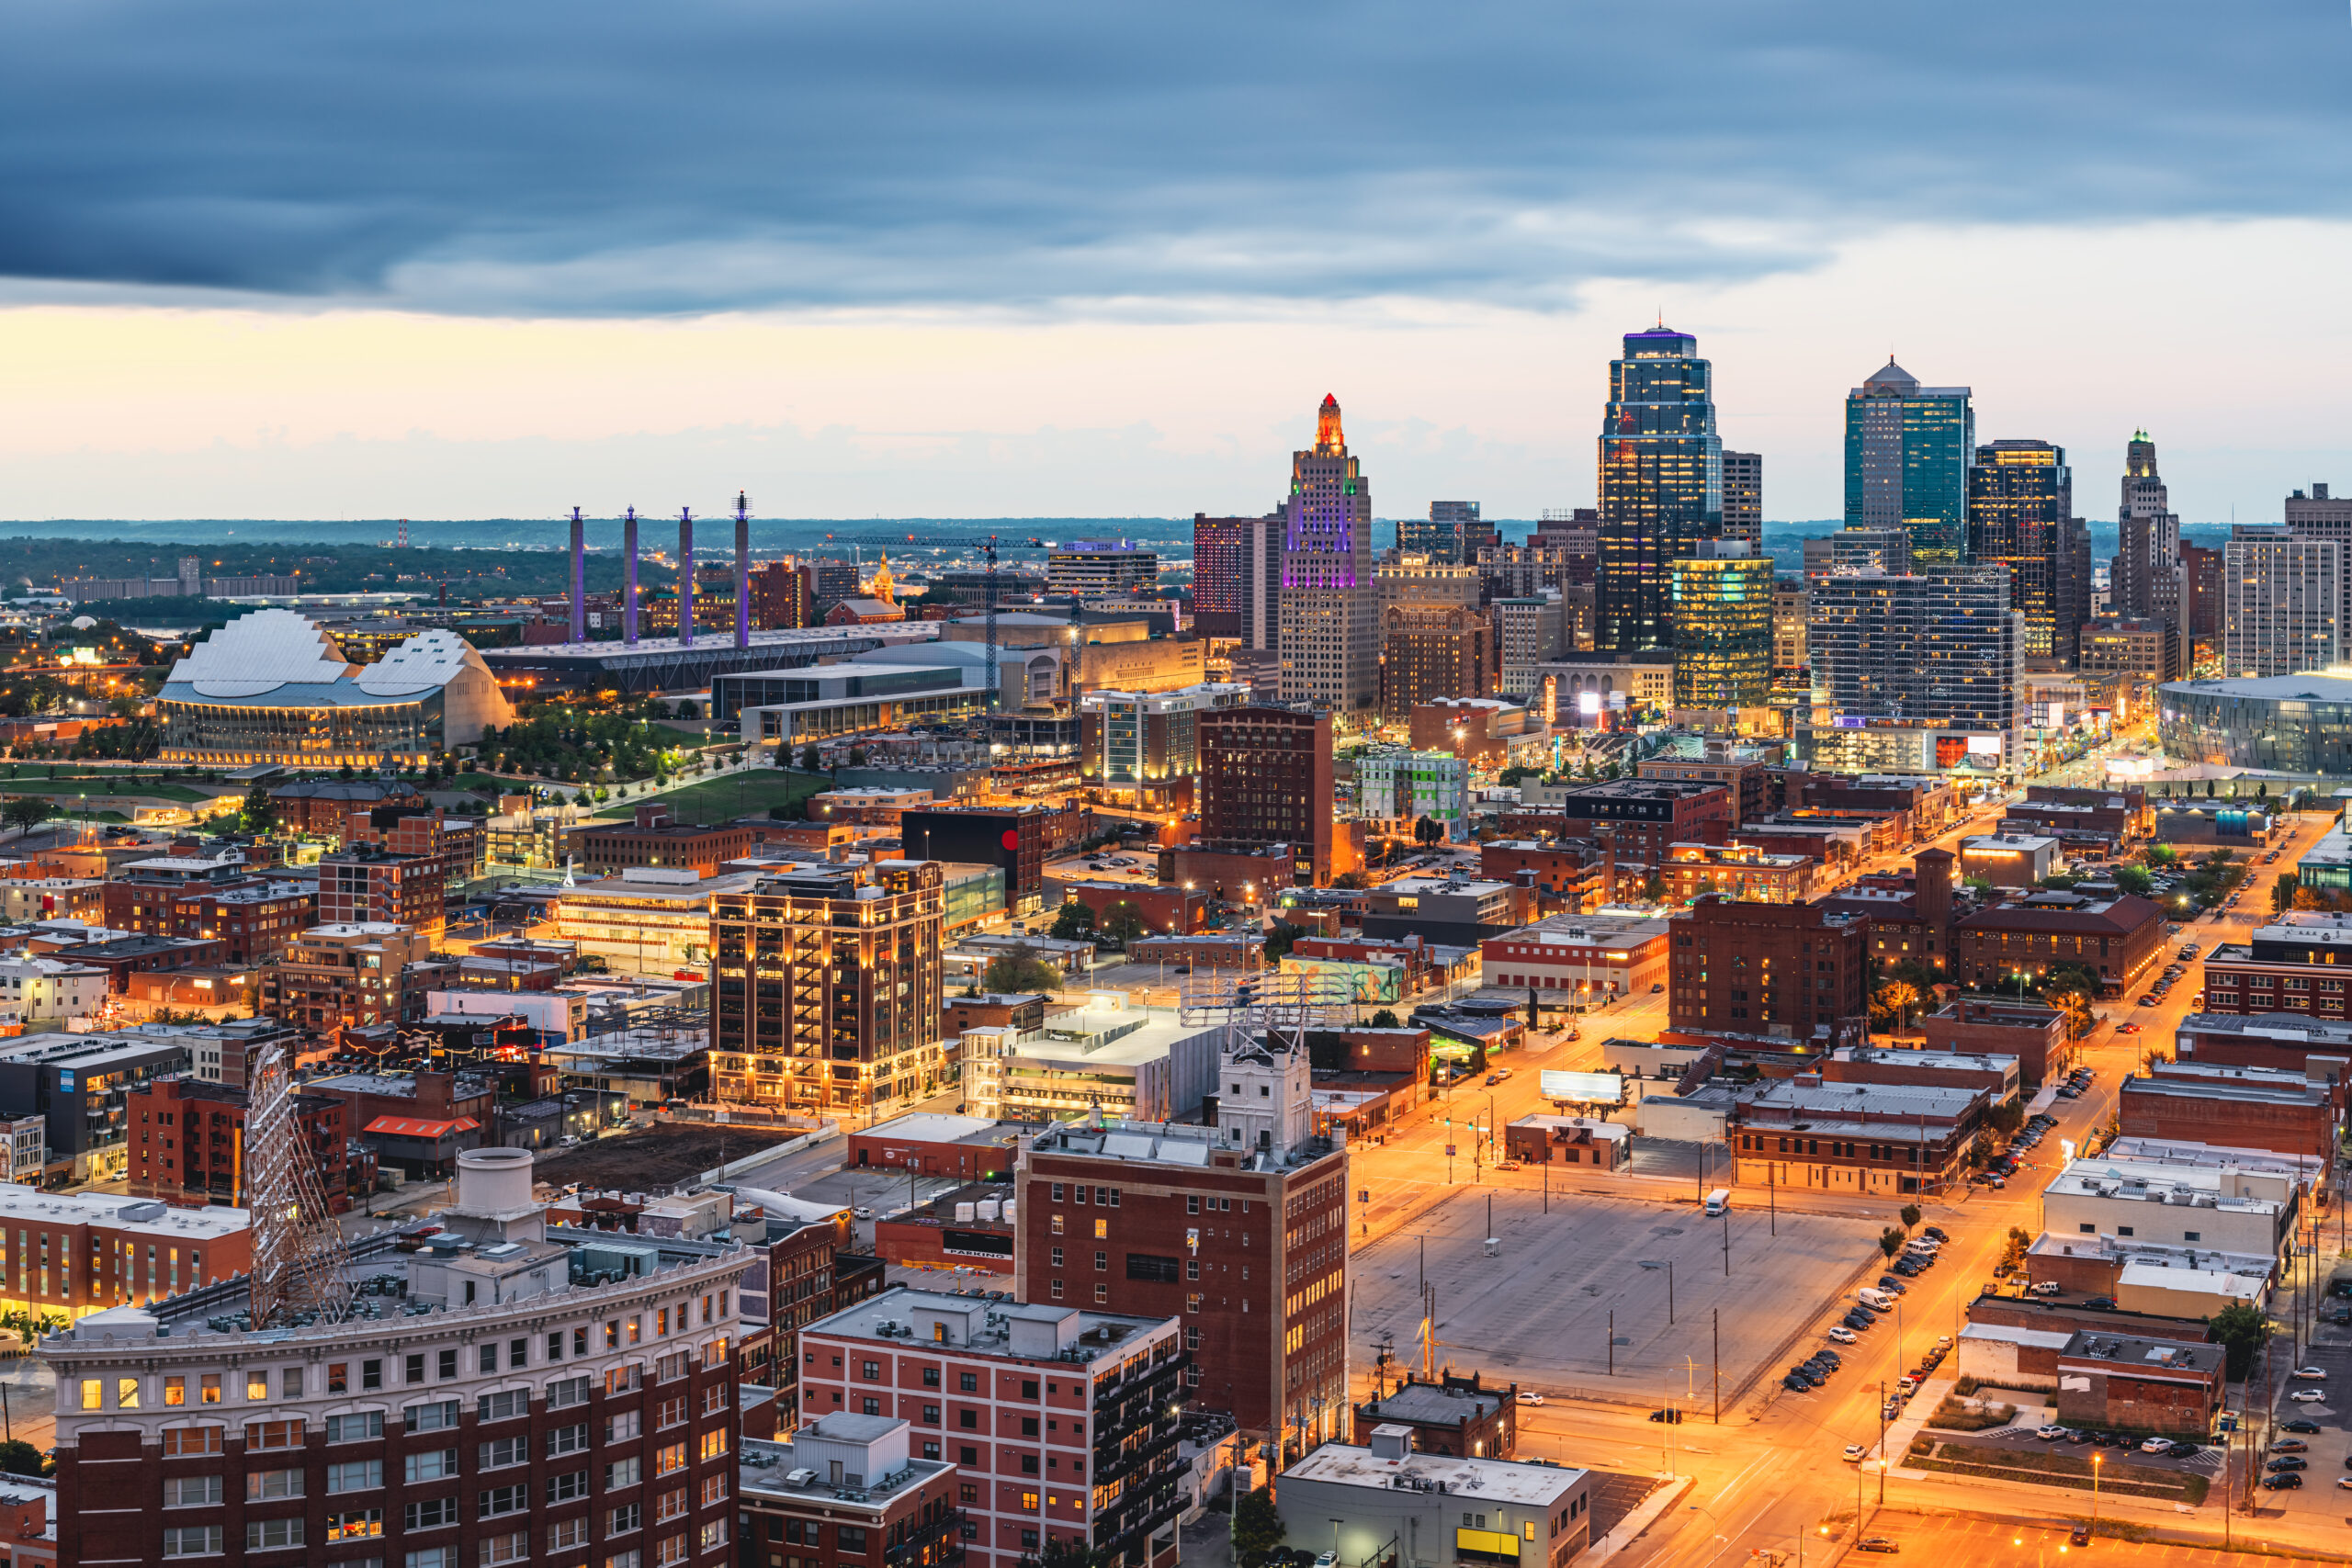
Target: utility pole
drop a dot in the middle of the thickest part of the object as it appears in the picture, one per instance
(1719, 1366)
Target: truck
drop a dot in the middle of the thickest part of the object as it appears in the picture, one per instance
(1718, 1201)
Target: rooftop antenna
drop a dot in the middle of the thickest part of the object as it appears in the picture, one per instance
(743, 570)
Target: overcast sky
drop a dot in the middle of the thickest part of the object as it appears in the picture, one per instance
(457, 260)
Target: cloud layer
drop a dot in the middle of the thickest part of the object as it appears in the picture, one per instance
(532, 158)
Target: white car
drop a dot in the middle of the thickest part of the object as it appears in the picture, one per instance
(2156, 1446)
(2050, 1434)
(2308, 1374)
(2307, 1397)
(1854, 1452)
(1843, 1334)
(1527, 1396)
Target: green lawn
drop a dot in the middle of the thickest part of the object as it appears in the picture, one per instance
(749, 794)
(150, 787)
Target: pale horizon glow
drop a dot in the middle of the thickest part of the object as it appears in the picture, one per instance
(113, 407)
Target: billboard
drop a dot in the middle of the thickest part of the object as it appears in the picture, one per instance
(1601, 1088)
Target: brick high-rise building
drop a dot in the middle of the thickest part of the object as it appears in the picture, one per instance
(1429, 651)
(1062, 1419)
(1331, 633)
(1266, 779)
(782, 596)
(1237, 576)
(186, 1143)
(1239, 1231)
(827, 985)
(1795, 971)
(396, 865)
(345, 976)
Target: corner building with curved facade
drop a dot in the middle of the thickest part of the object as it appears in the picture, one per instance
(2287, 723)
(502, 1396)
(272, 687)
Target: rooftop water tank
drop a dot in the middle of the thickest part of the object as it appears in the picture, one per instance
(494, 1181)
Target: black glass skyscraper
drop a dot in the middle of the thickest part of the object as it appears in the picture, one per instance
(2021, 517)
(1661, 485)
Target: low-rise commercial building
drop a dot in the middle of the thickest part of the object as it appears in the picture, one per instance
(1455, 909)
(2319, 1048)
(2009, 859)
(2178, 1208)
(2121, 940)
(1581, 960)
(2294, 965)
(78, 1253)
(2108, 1379)
(1453, 1415)
(649, 920)
(1855, 1137)
(1457, 1508)
(2259, 1108)
(1540, 1139)
(1740, 871)
(1108, 1058)
(656, 839)
(2035, 1036)
(847, 1492)
(1999, 1076)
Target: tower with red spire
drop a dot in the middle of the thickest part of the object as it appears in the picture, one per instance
(1330, 629)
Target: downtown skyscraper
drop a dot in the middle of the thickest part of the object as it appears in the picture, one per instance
(2021, 517)
(1661, 485)
(2145, 578)
(1907, 453)
(1331, 611)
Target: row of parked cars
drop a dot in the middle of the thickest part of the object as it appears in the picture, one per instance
(2055, 1434)
(2037, 1127)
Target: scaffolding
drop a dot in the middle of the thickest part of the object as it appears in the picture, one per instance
(298, 1247)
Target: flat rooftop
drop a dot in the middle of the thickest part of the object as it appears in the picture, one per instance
(2154, 1355)
(930, 1127)
(155, 1219)
(1852, 1101)
(1430, 1405)
(1100, 1334)
(1482, 1480)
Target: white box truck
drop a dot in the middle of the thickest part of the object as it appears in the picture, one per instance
(1718, 1201)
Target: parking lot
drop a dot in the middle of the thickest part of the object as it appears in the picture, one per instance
(1538, 1311)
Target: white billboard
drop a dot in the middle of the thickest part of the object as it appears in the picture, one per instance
(1599, 1089)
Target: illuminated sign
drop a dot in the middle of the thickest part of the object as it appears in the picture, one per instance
(1601, 1088)
(65, 1082)
(1983, 745)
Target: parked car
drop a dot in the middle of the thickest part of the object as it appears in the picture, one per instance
(2050, 1433)
(1892, 1285)
(2299, 1425)
(1854, 1452)
(2182, 1450)
(2081, 1535)
(2307, 1397)
(2046, 1288)
(1878, 1543)
(2290, 1481)
(2156, 1446)
(2289, 1446)
(2308, 1374)
(2099, 1303)
(1841, 1334)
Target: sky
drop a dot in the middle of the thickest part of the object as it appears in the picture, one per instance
(447, 260)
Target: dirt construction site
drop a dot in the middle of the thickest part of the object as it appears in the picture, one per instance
(662, 1157)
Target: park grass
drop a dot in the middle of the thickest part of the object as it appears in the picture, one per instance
(149, 787)
(752, 793)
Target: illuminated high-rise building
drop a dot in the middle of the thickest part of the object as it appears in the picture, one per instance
(2145, 578)
(2021, 517)
(1723, 626)
(1661, 485)
(1744, 497)
(1329, 612)
(1907, 453)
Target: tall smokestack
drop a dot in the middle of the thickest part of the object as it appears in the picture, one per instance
(743, 570)
(628, 578)
(685, 578)
(579, 577)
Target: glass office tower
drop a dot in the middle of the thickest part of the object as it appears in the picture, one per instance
(1661, 485)
(1722, 627)
(2021, 517)
(1907, 453)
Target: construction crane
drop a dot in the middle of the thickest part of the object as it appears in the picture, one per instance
(996, 674)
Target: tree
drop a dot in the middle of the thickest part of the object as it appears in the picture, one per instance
(1891, 1240)
(2071, 990)
(1911, 1215)
(1279, 936)
(1517, 772)
(2240, 1330)
(2007, 1117)
(1123, 924)
(1894, 1003)
(1257, 1527)
(1073, 922)
(259, 812)
(2135, 880)
(1353, 880)
(811, 759)
(18, 1457)
(2163, 854)
(27, 811)
(1384, 1019)
(1019, 973)
(1981, 886)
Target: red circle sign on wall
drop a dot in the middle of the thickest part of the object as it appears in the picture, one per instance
(1013, 839)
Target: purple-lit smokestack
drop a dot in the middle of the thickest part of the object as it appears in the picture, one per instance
(743, 570)
(685, 578)
(579, 577)
(629, 580)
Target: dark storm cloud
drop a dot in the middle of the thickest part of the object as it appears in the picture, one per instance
(591, 156)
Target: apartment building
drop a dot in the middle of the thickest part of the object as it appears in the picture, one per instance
(1060, 1421)
(66, 1254)
(347, 975)
(1242, 1238)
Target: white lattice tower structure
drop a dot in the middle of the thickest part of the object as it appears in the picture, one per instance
(298, 1247)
